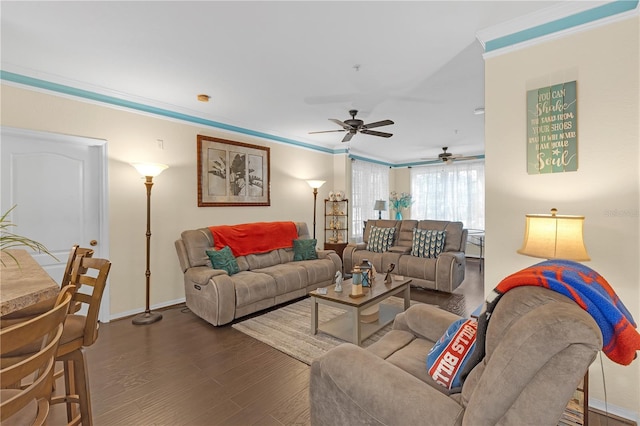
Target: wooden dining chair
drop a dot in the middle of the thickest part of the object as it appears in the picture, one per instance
(28, 404)
(81, 331)
(76, 251)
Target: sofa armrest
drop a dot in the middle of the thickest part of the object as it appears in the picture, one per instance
(333, 256)
(210, 294)
(347, 255)
(426, 321)
(343, 391)
(324, 253)
(450, 267)
(202, 274)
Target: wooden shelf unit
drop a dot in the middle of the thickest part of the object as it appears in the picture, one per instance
(336, 225)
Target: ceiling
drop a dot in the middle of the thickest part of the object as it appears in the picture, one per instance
(276, 69)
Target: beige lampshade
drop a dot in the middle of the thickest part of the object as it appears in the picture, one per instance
(552, 236)
(150, 169)
(380, 205)
(315, 184)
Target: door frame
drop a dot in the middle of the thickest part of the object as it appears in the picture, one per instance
(100, 146)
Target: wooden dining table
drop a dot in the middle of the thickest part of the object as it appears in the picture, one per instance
(23, 283)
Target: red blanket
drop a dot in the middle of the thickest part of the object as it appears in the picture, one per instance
(257, 237)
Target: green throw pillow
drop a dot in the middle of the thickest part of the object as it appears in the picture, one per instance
(305, 249)
(427, 242)
(223, 259)
(380, 239)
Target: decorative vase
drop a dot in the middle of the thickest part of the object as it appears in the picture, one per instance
(398, 215)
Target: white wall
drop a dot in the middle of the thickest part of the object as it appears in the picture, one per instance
(132, 137)
(606, 187)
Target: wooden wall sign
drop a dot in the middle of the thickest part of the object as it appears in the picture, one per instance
(552, 130)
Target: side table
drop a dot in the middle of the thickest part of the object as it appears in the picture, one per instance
(337, 247)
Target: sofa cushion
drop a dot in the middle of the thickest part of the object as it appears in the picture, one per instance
(263, 260)
(288, 277)
(380, 239)
(380, 223)
(404, 236)
(427, 243)
(411, 359)
(196, 241)
(304, 249)
(252, 287)
(423, 268)
(223, 259)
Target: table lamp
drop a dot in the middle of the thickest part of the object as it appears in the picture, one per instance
(380, 205)
(553, 236)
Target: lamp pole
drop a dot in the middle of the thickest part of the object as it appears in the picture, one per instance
(148, 171)
(148, 317)
(315, 184)
(315, 197)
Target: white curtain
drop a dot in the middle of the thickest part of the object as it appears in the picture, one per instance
(369, 182)
(449, 192)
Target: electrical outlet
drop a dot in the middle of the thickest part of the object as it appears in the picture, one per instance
(160, 143)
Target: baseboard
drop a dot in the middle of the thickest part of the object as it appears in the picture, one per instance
(614, 410)
(138, 311)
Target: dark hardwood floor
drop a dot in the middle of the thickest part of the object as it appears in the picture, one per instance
(184, 371)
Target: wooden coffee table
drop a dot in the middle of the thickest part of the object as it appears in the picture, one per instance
(349, 326)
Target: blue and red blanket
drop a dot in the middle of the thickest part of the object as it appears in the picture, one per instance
(588, 289)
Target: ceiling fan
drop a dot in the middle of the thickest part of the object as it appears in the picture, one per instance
(447, 157)
(355, 125)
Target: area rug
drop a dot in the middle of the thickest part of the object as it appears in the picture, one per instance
(287, 329)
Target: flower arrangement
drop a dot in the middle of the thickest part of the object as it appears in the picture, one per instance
(399, 202)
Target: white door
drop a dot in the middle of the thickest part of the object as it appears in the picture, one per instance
(58, 185)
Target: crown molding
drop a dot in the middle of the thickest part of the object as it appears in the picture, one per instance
(553, 22)
(144, 108)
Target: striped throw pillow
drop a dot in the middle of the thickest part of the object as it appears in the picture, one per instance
(380, 239)
(427, 242)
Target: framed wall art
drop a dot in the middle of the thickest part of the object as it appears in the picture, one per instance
(232, 173)
(552, 129)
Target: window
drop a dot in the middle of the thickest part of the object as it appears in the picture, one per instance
(449, 192)
(369, 182)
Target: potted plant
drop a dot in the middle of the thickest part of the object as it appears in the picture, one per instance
(10, 240)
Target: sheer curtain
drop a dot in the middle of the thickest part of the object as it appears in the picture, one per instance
(369, 182)
(449, 192)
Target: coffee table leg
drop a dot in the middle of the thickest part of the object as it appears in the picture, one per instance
(355, 315)
(314, 316)
(407, 297)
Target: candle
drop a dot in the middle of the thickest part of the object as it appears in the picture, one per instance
(356, 289)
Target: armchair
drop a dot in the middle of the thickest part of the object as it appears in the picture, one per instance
(539, 344)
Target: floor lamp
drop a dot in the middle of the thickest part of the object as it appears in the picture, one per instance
(149, 171)
(315, 184)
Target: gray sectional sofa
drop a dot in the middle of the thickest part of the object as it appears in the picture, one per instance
(264, 279)
(444, 272)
